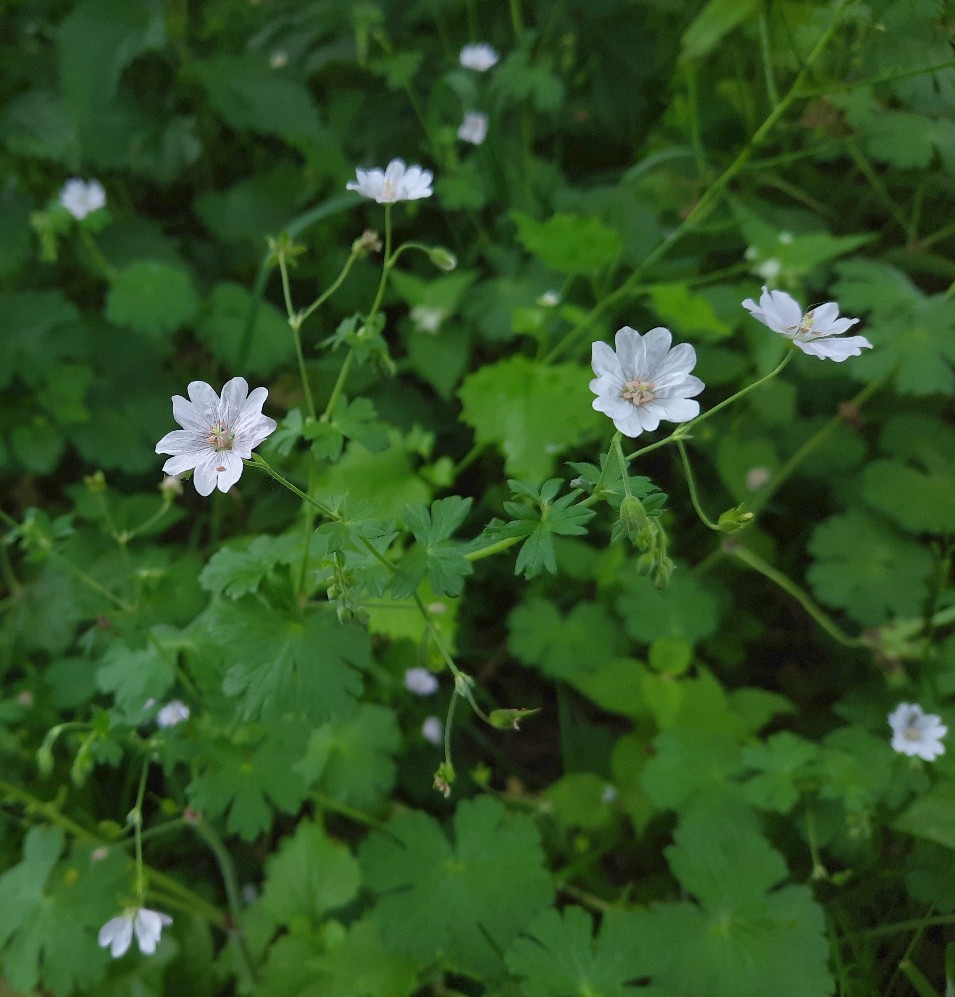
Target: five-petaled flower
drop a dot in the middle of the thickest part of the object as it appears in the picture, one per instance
(819, 332)
(217, 433)
(117, 933)
(480, 57)
(81, 198)
(396, 182)
(474, 128)
(645, 381)
(915, 732)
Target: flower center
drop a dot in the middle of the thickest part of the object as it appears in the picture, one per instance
(805, 330)
(220, 437)
(639, 391)
(912, 732)
(389, 191)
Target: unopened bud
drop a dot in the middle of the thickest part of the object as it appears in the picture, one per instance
(734, 519)
(633, 515)
(444, 779)
(95, 483)
(442, 258)
(510, 719)
(170, 487)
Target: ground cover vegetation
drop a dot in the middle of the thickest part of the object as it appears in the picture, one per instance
(478, 498)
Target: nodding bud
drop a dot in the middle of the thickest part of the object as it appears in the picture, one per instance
(633, 515)
(442, 258)
(95, 483)
(734, 519)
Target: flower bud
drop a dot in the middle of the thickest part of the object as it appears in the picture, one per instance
(734, 519)
(444, 779)
(95, 483)
(367, 242)
(442, 258)
(633, 515)
(510, 719)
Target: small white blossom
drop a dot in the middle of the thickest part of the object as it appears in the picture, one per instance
(81, 198)
(172, 714)
(421, 682)
(217, 434)
(645, 381)
(818, 332)
(117, 934)
(432, 730)
(427, 318)
(609, 794)
(757, 477)
(278, 59)
(549, 299)
(396, 182)
(480, 57)
(769, 269)
(917, 733)
(474, 128)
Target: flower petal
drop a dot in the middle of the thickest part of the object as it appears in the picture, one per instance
(836, 348)
(231, 462)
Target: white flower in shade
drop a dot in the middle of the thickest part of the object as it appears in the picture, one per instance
(172, 714)
(421, 682)
(117, 934)
(474, 128)
(217, 433)
(645, 381)
(480, 57)
(917, 733)
(432, 730)
(427, 318)
(396, 182)
(818, 332)
(609, 794)
(81, 198)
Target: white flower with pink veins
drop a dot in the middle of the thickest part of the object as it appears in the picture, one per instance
(396, 182)
(645, 381)
(217, 433)
(819, 332)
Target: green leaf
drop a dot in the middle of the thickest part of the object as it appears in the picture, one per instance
(435, 553)
(687, 762)
(931, 816)
(133, 677)
(250, 96)
(862, 566)
(235, 571)
(713, 23)
(248, 776)
(688, 312)
(557, 955)
(743, 932)
(50, 913)
(567, 647)
(684, 609)
(913, 335)
(459, 904)
(530, 412)
(222, 328)
(308, 667)
(309, 876)
(357, 420)
(152, 297)
(779, 764)
(571, 244)
(352, 760)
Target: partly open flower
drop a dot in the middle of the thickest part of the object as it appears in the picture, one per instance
(396, 182)
(819, 332)
(480, 57)
(217, 433)
(172, 714)
(645, 381)
(917, 733)
(117, 933)
(81, 198)
(474, 128)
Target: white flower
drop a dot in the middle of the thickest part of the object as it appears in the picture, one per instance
(757, 477)
(817, 332)
(480, 57)
(609, 794)
(421, 682)
(432, 730)
(117, 934)
(427, 318)
(917, 733)
(278, 59)
(172, 714)
(645, 381)
(396, 182)
(474, 128)
(549, 299)
(217, 434)
(769, 269)
(80, 197)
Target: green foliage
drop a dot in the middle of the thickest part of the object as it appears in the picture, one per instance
(435, 553)
(153, 298)
(478, 899)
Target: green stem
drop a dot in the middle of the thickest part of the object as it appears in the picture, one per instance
(339, 386)
(136, 819)
(766, 52)
(755, 562)
(492, 549)
(709, 196)
(227, 870)
(260, 462)
(109, 271)
(148, 522)
(691, 486)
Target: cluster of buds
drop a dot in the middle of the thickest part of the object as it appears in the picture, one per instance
(647, 535)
